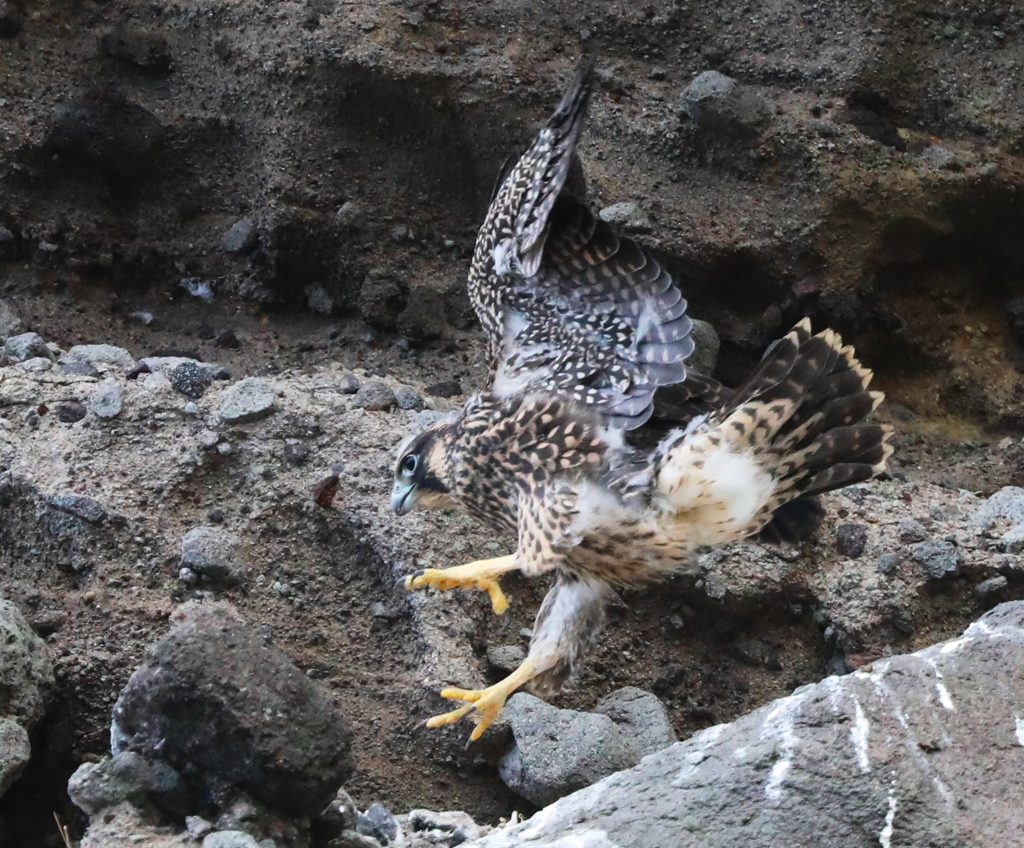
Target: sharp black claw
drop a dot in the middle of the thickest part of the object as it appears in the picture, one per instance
(419, 572)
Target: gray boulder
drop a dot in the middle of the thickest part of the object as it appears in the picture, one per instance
(27, 346)
(127, 776)
(925, 749)
(105, 357)
(213, 698)
(26, 685)
(1006, 504)
(559, 751)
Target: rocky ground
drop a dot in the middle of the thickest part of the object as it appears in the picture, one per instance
(289, 192)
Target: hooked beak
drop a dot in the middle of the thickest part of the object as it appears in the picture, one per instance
(403, 497)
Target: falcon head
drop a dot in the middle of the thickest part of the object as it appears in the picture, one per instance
(421, 473)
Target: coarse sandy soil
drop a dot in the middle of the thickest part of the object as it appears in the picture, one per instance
(361, 140)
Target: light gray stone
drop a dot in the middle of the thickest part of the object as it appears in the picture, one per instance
(707, 85)
(126, 776)
(108, 399)
(36, 364)
(1013, 539)
(909, 530)
(641, 718)
(917, 752)
(26, 686)
(1007, 503)
(241, 238)
(991, 586)
(558, 751)
(939, 557)
(229, 839)
(247, 400)
(104, 357)
(505, 658)
(628, 215)
(27, 346)
(26, 671)
(211, 551)
(10, 322)
(319, 299)
(15, 752)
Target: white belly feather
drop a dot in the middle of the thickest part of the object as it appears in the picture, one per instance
(713, 487)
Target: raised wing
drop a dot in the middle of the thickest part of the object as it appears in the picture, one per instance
(569, 307)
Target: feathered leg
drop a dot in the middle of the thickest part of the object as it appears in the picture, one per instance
(569, 620)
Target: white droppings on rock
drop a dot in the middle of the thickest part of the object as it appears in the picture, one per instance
(1019, 722)
(859, 736)
(955, 644)
(948, 798)
(885, 835)
(703, 739)
(780, 723)
(944, 697)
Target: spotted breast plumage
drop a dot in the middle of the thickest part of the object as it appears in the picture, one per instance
(611, 461)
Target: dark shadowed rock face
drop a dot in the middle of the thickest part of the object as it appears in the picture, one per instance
(213, 697)
(107, 131)
(922, 750)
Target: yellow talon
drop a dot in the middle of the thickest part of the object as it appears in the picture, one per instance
(481, 575)
(484, 704)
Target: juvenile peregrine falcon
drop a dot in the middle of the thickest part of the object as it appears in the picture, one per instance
(585, 331)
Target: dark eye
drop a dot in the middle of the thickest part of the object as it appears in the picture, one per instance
(409, 464)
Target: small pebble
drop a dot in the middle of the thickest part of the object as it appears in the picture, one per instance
(348, 384)
(888, 563)
(505, 658)
(909, 530)
(190, 379)
(247, 400)
(296, 452)
(325, 491)
(851, 539)
(444, 389)
(227, 338)
(991, 586)
(108, 399)
(376, 397)
(408, 398)
(71, 412)
(939, 558)
(379, 823)
(241, 238)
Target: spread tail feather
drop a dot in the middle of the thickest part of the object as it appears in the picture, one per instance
(803, 411)
(795, 429)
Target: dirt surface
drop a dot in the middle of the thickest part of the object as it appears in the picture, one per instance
(874, 184)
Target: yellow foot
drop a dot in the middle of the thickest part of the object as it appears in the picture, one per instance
(481, 574)
(484, 704)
